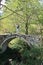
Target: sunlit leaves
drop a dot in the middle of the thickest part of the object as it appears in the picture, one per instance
(26, 9)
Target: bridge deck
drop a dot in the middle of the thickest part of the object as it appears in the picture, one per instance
(28, 38)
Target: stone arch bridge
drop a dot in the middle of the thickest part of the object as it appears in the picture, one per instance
(6, 38)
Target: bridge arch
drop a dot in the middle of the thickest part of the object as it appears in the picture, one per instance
(10, 38)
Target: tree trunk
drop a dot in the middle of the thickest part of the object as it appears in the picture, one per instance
(26, 25)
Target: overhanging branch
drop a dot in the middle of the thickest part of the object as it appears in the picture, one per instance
(6, 16)
(21, 16)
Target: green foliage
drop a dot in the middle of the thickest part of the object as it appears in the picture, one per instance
(29, 15)
(33, 56)
(21, 12)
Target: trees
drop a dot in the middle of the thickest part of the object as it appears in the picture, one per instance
(24, 12)
(29, 15)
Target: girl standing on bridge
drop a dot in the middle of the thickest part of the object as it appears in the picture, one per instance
(17, 28)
